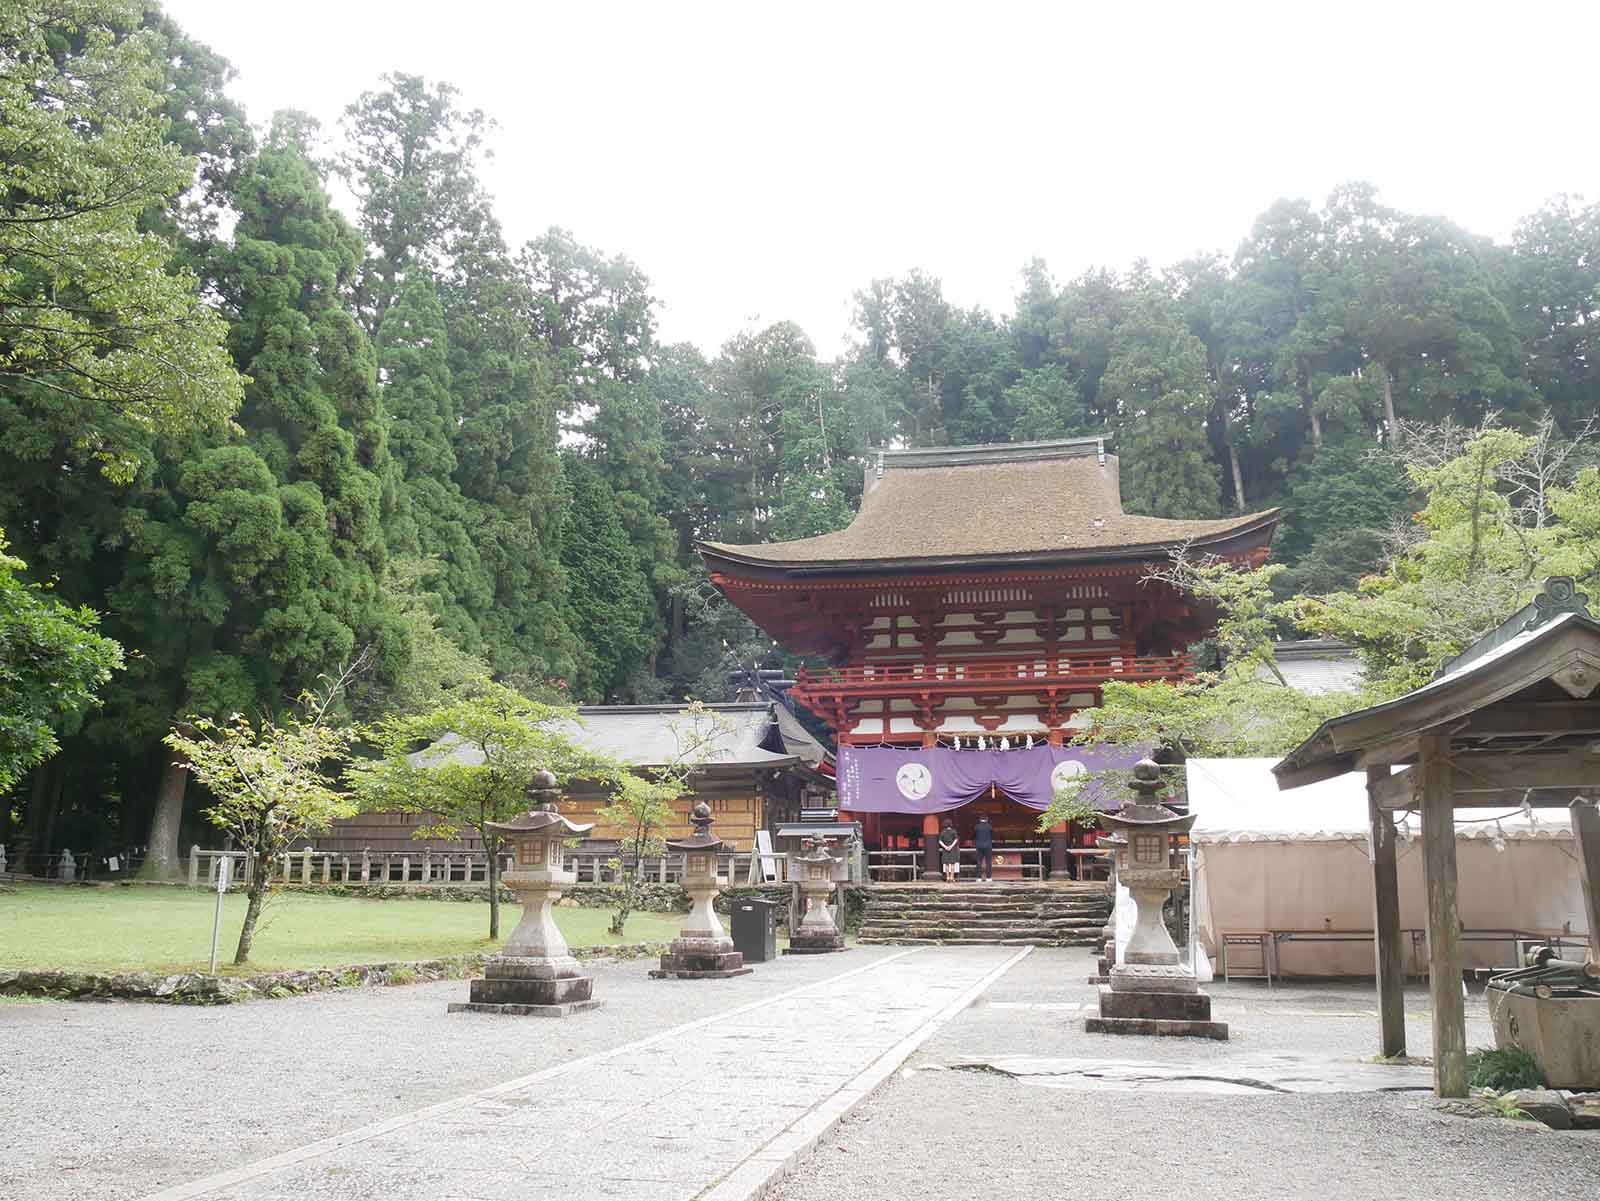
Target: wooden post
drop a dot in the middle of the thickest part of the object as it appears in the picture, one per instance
(1444, 921)
(327, 868)
(1586, 830)
(194, 864)
(305, 866)
(1386, 921)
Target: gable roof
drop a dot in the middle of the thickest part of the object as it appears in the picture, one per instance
(1569, 642)
(1037, 502)
(647, 736)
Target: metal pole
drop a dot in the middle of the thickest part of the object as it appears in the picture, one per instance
(223, 865)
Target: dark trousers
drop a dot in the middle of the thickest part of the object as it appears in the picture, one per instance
(986, 863)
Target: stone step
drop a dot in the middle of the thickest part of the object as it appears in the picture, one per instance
(980, 926)
(933, 888)
(957, 910)
(904, 941)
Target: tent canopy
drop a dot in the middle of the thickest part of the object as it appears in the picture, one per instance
(1237, 800)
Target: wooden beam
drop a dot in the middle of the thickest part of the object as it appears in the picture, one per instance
(1490, 771)
(1398, 791)
(1386, 920)
(1586, 830)
(1505, 720)
(1444, 919)
(1382, 754)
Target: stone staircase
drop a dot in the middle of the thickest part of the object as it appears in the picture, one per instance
(1068, 914)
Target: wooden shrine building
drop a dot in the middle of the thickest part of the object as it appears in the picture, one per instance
(981, 593)
(1513, 721)
(761, 766)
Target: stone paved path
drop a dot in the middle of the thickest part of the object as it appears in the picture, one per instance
(710, 1110)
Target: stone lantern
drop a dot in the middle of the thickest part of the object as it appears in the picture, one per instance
(702, 950)
(816, 873)
(534, 973)
(1151, 992)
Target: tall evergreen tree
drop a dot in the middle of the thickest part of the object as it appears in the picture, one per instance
(1156, 380)
(609, 605)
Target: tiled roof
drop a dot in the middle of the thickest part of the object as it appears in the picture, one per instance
(1032, 501)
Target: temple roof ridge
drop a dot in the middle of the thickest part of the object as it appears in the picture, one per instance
(1038, 503)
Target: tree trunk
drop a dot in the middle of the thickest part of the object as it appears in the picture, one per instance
(625, 906)
(257, 894)
(1238, 477)
(43, 807)
(493, 849)
(161, 859)
(1388, 406)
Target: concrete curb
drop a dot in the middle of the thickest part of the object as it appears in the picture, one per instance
(773, 1161)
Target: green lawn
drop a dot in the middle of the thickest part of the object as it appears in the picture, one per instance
(169, 929)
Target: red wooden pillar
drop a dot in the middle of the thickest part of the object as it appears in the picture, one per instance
(930, 848)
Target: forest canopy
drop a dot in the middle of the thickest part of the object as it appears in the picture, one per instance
(261, 434)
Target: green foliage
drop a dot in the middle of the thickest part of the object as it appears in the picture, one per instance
(96, 320)
(1483, 542)
(1155, 384)
(271, 784)
(480, 752)
(1502, 1069)
(1244, 709)
(608, 604)
(52, 665)
(645, 803)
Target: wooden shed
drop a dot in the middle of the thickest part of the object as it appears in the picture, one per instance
(1514, 721)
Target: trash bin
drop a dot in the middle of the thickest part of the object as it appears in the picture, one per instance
(755, 928)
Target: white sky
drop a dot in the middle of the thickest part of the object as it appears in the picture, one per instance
(763, 161)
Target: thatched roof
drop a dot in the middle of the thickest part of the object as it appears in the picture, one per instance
(1034, 502)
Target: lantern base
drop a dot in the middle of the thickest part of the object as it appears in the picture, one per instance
(1178, 1027)
(528, 1011)
(804, 943)
(529, 986)
(700, 959)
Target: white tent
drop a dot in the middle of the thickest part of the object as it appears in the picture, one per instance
(1298, 861)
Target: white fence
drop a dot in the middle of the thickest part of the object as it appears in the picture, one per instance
(435, 869)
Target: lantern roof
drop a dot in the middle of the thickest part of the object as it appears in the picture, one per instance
(702, 839)
(535, 820)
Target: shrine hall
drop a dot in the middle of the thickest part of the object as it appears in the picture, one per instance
(974, 608)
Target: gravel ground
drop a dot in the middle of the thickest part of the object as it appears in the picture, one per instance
(962, 1134)
(113, 1100)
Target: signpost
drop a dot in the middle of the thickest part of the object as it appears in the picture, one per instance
(223, 865)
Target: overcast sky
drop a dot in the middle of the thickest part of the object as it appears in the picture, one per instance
(763, 161)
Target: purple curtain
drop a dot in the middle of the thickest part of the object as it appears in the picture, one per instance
(884, 780)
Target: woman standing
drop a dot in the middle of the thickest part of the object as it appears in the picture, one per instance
(949, 851)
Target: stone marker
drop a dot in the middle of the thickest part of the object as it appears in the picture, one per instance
(69, 866)
(702, 950)
(814, 871)
(1151, 992)
(534, 974)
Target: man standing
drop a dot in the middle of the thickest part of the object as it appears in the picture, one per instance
(983, 840)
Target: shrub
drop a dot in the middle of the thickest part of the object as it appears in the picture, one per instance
(1502, 1069)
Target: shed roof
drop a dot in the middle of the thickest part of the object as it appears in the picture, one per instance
(1037, 502)
(1532, 668)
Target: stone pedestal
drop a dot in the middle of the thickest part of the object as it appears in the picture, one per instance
(815, 872)
(534, 975)
(702, 950)
(1150, 992)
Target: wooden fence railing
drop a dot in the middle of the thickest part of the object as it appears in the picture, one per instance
(434, 869)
